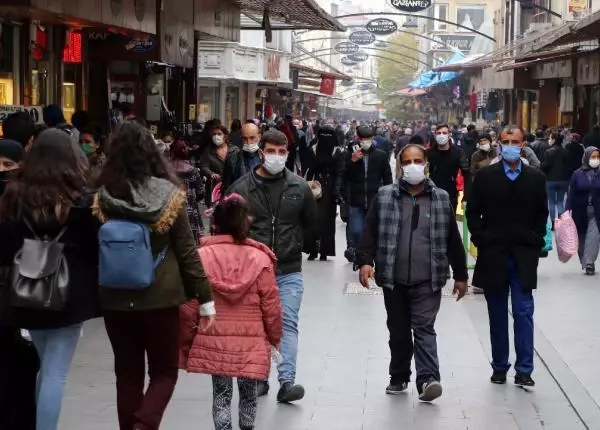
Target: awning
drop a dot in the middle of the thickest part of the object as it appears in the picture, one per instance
(430, 78)
(466, 63)
(316, 93)
(320, 73)
(541, 57)
(586, 29)
(288, 15)
(410, 92)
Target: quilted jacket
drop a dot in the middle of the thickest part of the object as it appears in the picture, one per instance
(248, 312)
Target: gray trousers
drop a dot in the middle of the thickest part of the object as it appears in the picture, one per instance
(589, 243)
(411, 313)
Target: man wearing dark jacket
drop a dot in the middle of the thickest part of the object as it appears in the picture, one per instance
(540, 145)
(285, 218)
(507, 214)
(412, 238)
(367, 169)
(445, 161)
(593, 138)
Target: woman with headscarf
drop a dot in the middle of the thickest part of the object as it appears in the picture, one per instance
(194, 186)
(11, 154)
(326, 167)
(583, 200)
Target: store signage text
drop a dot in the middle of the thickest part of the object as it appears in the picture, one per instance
(273, 67)
(381, 26)
(359, 57)
(411, 5)
(346, 48)
(34, 111)
(464, 42)
(139, 45)
(361, 37)
(347, 61)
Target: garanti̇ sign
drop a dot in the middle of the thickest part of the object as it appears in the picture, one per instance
(381, 26)
(411, 5)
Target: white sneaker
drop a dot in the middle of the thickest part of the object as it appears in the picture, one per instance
(431, 390)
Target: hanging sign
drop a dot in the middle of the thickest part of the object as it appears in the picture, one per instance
(367, 87)
(347, 61)
(381, 26)
(346, 48)
(361, 37)
(381, 44)
(347, 83)
(359, 57)
(34, 111)
(411, 5)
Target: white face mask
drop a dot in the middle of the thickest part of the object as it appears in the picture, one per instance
(250, 147)
(485, 147)
(594, 163)
(365, 145)
(414, 174)
(218, 139)
(274, 164)
(442, 139)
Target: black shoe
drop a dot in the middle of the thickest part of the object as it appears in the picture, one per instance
(355, 267)
(312, 257)
(323, 258)
(524, 380)
(498, 377)
(263, 388)
(349, 254)
(430, 390)
(396, 387)
(290, 393)
(590, 270)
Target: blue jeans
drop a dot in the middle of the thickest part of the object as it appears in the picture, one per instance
(55, 348)
(522, 309)
(291, 289)
(556, 197)
(356, 223)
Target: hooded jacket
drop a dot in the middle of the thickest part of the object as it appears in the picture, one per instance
(584, 190)
(247, 302)
(161, 205)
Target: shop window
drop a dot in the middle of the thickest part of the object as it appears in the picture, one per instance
(207, 108)
(6, 49)
(231, 105)
(470, 16)
(441, 12)
(68, 100)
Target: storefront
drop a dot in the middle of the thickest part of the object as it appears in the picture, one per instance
(232, 77)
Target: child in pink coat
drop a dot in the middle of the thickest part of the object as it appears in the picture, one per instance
(249, 322)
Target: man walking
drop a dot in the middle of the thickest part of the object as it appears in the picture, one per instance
(367, 169)
(285, 217)
(506, 214)
(412, 236)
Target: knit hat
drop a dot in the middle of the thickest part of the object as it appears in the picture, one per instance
(11, 149)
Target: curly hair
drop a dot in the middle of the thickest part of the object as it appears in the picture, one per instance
(133, 158)
(50, 180)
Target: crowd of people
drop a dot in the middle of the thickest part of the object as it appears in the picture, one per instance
(114, 227)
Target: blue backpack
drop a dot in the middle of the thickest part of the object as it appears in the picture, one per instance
(126, 260)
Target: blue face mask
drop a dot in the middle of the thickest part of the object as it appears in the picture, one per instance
(510, 153)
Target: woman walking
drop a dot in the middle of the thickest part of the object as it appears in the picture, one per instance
(326, 167)
(194, 186)
(221, 162)
(48, 199)
(484, 154)
(583, 200)
(242, 273)
(137, 185)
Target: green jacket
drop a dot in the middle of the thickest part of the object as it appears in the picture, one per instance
(293, 225)
(179, 277)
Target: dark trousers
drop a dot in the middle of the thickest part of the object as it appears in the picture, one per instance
(134, 335)
(522, 309)
(19, 365)
(222, 395)
(411, 313)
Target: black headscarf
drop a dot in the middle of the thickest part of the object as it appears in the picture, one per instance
(12, 150)
(327, 142)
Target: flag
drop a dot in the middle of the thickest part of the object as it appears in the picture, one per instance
(327, 85)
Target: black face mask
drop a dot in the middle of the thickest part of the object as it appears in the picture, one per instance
(5, 176)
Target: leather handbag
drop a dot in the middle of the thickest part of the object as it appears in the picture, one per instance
(315, 187)
(39, 276)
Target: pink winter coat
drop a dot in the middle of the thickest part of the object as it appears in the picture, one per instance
(248, 312)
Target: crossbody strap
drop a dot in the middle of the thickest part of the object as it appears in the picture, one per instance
(161, 256)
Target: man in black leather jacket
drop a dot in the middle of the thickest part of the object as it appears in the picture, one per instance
(285, 218)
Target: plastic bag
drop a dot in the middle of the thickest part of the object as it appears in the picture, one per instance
(548, 237)
(276, 356)
(567, 240)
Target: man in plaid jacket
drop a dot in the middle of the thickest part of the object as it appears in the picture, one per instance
(412, 238)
